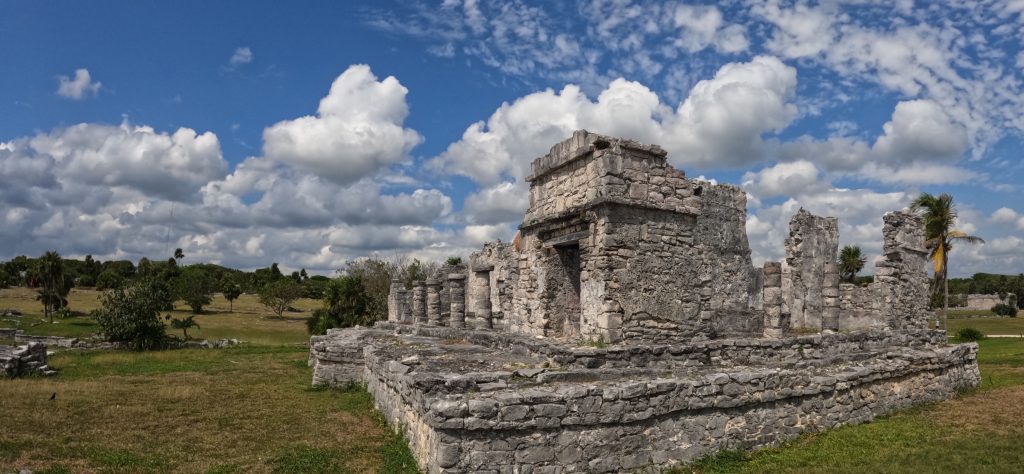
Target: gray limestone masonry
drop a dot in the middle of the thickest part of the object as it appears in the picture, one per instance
(626, 329)
(30, 359)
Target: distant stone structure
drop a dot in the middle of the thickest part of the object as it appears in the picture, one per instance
(985, 302)
(627, 329)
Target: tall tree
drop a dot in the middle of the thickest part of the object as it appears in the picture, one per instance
(178, 254)
(940, 216)
(52, 291)
(851, 262)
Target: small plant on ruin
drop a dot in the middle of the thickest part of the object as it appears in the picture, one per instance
(453, 261)
(969, 334)
(1005, 310)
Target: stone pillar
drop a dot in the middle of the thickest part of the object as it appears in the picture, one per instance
(457, 283)
(830, 298)
(404, 306)
(483, 303)
(419, 304)
(776, 322)
(433, 302)
(394, 302)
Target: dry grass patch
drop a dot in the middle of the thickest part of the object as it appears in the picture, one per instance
(232, 410)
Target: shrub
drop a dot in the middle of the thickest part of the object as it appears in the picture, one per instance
(279, 295)
(1005, 310)
(969, 334)
(346, 304)
(195, 287)
(132, 315)
(453, 261)
(109, 279)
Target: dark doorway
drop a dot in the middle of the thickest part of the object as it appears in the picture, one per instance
(568, 300)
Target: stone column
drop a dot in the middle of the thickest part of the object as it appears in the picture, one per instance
(776, 323)
(483, 303)
(394, 302)
(419, 304)
(830, 298)
(457, 283)
(404, 306)
(433, 302)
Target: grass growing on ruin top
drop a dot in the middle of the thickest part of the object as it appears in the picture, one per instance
(241, 409)
(979, 431)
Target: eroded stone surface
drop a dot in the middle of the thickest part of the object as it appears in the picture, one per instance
(625, 329)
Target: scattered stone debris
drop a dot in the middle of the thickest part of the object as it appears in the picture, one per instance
(627, 330)
(9, 313)
(20, 361)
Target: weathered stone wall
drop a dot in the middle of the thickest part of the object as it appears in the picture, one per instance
(30, 359)
(811, 248)
(636, 408)
(901, 275)
(985, 302)
(661, 256)
(498, 263)
(860, 307)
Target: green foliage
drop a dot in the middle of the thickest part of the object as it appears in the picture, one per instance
(231, 293)
(53, 288)
(851, 262)
(346, 304)
(375, 277)
(131, 315)
(453, 261)
(195, 287)
(108, 280)
(279, 295)
(969, 334)
(5, 278)
(184, 324)
(1005, 310)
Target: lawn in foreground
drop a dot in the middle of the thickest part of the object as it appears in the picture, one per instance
(243, 409)
(981, 431)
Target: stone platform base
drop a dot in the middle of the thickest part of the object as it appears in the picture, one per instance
(483, 402)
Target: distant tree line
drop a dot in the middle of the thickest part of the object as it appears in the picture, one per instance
(987, 284)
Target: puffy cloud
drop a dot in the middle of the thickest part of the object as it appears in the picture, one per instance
(921, 131)
(357, 130)
(503, 202)
(242, 55)
(78, 88)
(783, 179)
(719, 125)
(171, 166)
(703, 26)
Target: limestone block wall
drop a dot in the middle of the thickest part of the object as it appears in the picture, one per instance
(494, 269)
(811, 250)
(901, 277)
(17, 361)
(633, 411)
(859, 307)
(661, 256)
(985, 302)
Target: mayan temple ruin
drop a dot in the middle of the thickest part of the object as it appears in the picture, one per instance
(626, 329)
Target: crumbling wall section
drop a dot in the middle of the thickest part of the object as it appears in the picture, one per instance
(901, 276)
(811, 247)
(19, 361)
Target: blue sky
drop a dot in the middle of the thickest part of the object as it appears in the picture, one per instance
(312, 133)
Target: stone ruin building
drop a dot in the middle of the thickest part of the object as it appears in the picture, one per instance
(627, 329)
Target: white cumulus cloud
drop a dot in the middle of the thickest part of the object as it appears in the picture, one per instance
(79, 87)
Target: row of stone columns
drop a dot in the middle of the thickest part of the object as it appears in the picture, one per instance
(424, 306)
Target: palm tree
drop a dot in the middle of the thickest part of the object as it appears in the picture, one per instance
(940, 216)
(52, 292)
(185, 324)
(851, 261)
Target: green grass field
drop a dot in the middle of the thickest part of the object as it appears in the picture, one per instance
(250, 409)
(248, 320)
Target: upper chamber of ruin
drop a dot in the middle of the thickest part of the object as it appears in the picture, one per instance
(627, 317)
